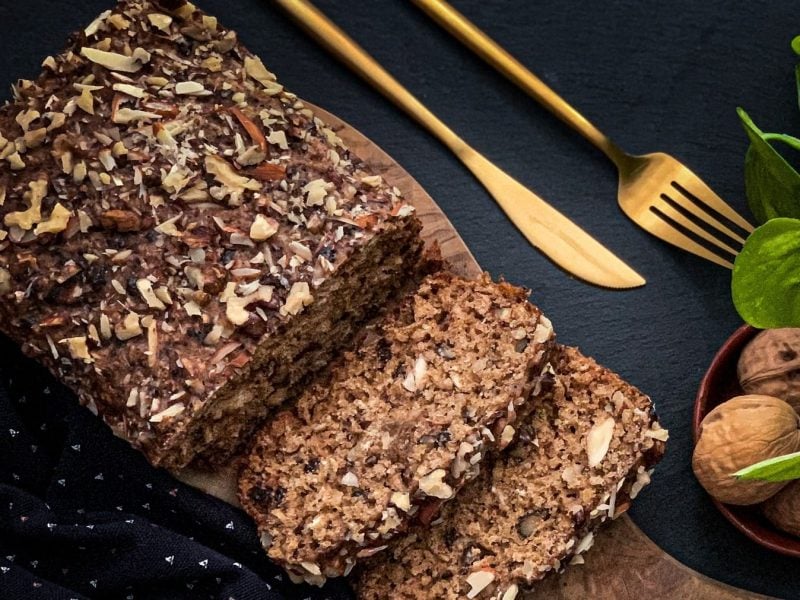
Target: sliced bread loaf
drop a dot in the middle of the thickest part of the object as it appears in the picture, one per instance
(584, 454)
(397, 426)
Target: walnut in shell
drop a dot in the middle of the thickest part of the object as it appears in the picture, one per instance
(770, 365)
(783, 509)
(737, 434)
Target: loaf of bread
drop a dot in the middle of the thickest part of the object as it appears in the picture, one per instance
(182, 241)
(397, 426)
(585, 453)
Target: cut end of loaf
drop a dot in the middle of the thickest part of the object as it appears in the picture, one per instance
(537, 506)
(396, 427)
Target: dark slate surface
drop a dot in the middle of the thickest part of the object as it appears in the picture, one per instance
(655, 75)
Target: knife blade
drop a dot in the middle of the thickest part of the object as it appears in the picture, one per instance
(561, 240)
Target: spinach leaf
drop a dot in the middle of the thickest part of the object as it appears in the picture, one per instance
(773, 186)
(766, 276)
(780, 468)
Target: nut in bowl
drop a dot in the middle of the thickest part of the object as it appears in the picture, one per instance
(719, 385)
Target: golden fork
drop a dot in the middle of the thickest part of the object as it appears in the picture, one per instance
(656, 191)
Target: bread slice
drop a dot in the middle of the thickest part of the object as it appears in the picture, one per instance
(585, 453)
(397, 426)
(183, 242)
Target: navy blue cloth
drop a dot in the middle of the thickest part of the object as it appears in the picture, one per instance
(654, 75)
(82, 515)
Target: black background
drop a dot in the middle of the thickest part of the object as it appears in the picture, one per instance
(654, 75)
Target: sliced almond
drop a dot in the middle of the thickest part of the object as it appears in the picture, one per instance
(598, 440)
(225, 174)
(130, 115)
(478, 581)
(130, 90)
(117, 62)
(191, 88)
(168, 413)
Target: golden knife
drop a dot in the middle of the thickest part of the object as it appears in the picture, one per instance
(566, 244)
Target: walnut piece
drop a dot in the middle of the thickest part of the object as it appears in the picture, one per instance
(770, 365)
(737, 434)
(783, 509)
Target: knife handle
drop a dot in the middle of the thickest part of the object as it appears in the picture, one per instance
(342, 46)
(460, 27)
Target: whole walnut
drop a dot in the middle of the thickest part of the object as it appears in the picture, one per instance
(738, 433)
(783, 509)
(770, 365)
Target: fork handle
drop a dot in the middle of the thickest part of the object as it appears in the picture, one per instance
(458, 25)
(341, 45)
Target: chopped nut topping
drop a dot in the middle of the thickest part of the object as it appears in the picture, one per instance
(28, 218)
(16, 162)
(5, 281)
(511, 592)
(316, 191)
(95, 25)
(433, 484)
(168, 227)
(78, 349)
(263, 228)
(278, 138)
(131, 115)
(212, 63)
(657, 433)
(34, 138)
(129, 328)
(402, 501)
(311, 568)
(256, 69)
(145, 288)
(372, 180)
(117, 62)
(160, 21)
(507, 436)
(235, 309)
(56, 222)
(224, 173)
(299, 297)
(120, 220)
(26, 117)
(105, 326)
(350, 479)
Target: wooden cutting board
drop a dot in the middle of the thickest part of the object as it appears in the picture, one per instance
(624, 563)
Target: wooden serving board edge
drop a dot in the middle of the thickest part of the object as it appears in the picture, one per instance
(624, 563)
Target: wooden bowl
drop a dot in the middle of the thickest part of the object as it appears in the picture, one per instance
(719, 384)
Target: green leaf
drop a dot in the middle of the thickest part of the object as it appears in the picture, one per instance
(773, 186)
(796, 44)
(797, 81)
(766, 276)
(780, 468)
